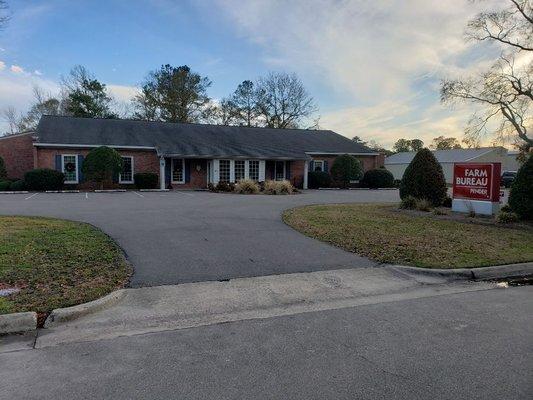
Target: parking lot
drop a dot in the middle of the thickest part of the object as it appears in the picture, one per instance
(185, 236)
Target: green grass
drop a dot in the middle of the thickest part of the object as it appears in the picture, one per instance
(56, 263)
(384, 234)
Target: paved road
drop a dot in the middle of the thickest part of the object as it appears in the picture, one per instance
(179, 237)
(474, 345)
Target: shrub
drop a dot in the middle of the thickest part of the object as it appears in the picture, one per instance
(44, 179)
(438, 211)
(4, 185)
(506, 208)
(224, 187)
(278, 187)
(346, 168)
(318, 179)
(507, 217)
(423, 204)
(101, 164)
(211, 187)
(408, 203)
(3, 172)
(447, 202)
(424, 179)
(146, 180)
(17, 185)
(521, 196)
(397, 183)
(247, 186)
(377, 178)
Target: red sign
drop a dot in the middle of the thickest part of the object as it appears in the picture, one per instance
(477, 181)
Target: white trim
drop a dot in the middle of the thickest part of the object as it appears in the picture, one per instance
(132, 172)
(88, 146)
(162, 179)
(182, 171)
(232, 170)
(63, 168)
(338, 154)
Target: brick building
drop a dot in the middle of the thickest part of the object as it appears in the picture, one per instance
(183, 155)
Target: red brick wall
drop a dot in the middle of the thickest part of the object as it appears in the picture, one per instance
(198, 178)
(17, 152)
(367, 162)
(143, 161)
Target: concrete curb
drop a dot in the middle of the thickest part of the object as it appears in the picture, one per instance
(110, 191)
(18, 322)
(62, 191)
(69, 313)
(15, 192)
(154, 190)
(481, 273)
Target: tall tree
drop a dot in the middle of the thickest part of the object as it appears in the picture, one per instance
(445, 143)
(44, 104)
(283, 101)
(504, 92)
(244, 105)
(417, 144)
(358, 140)
(401, 146)
(174, 94)
(84, 96)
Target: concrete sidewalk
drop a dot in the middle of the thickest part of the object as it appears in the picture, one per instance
(161, 308)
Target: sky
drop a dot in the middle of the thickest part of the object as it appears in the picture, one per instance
(373, 66)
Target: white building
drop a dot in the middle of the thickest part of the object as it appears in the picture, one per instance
(397, 163)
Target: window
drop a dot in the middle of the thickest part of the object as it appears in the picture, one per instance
(224, 169)
(69, 166)
(253, 170)
(178, 175)
(279, 168)
(239, 170)
(126, 176)
(318, 166)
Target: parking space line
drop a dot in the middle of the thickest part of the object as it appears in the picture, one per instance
(138, 194)
(184, 193)
(86, 195)
(29, 197)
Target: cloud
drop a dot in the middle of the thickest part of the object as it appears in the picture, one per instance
(37, 72)
(123, 93)
(2, 65)
(16, 69)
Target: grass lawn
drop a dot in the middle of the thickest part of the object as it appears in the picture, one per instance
(56, 263)
(384, 234)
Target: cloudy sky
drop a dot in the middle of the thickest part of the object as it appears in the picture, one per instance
(373, 66)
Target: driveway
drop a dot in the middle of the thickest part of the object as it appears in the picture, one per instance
(179, 236)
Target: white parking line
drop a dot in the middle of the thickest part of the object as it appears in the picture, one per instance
(184, 193)
(138, 194)
(86, 195)
(29, 197)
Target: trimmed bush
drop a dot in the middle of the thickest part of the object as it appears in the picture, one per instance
(408, 203)
(521, 196)
(17, 186)
(224, 187)
(506, 208)
(3, 172)
(447, 202)
(424, 179)
(44, 179)
(101, 165)
(507, 217)
(146, 180)
(346, 168)
(4, 186)
(318, 179)
(423, 205)
(278, 187)
(377, 178)
(247, 186)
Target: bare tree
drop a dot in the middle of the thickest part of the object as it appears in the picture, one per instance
(505, 92)
(283, 101)
(4, 14)
(13, 119)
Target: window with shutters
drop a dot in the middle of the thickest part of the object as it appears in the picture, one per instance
(318, 166)
(126, 176)
(69, 166)
(178, 170)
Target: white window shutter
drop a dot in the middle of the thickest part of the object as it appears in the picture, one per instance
(262, 171)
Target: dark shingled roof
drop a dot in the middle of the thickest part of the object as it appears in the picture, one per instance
(195, 140)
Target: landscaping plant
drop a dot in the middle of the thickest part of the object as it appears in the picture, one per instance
(346, 168)
(247, 186)
(521, 196)
(44, 179)
(408, 203)
(4, 185)
(423, 179)
(3, 171)
(17, 186)
(278, 187)
(146, 180)
(101, 165)
(318, 179)
(377, 178)
(507, 217)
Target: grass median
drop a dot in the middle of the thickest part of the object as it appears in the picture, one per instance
(387, 235)
(55, 263)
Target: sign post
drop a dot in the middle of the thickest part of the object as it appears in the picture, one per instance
(476, 188)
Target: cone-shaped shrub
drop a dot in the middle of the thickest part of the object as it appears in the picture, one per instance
(346, 168)
(521, 196)
(423, 179)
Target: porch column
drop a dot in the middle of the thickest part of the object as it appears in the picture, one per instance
(162, 173)
(306, 170)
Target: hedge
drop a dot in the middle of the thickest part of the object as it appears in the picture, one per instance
(146, 180)
(44, 179)
(318, 179)
(377, 178)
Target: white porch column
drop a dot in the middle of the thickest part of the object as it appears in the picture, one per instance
(232, 170)
(306, 170)
(162, 173)
(261, 170)
(216, 171)
(246, 169)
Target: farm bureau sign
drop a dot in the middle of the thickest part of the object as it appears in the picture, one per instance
(476, 187)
